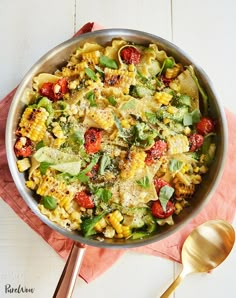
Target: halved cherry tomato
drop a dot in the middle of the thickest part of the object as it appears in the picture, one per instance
(159, 183)
(155, 152)
(166, 81)
(54, 91)
(205, 126)
(84, 200)
(23, 147)
(196, 141)
(158, 211)
(130, 55)
(93, 138)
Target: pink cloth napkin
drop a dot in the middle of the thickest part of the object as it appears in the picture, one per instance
(97, 260)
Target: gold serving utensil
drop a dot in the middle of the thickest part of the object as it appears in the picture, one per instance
(205, 248)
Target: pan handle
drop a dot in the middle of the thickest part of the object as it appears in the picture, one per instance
(68, 277)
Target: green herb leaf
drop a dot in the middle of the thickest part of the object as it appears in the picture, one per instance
(196, 115)
(78, 137)
(108, 62)
(49, 203)
(105, 162)
(103, 194)
(82, 177)
(143, 135)
(144, 182)
(151, 117)
(40, 145)
(175, 165)
(165, 194)
(112, 100)
(188, 119)
(131, 104)
(185, 100)
(91, 98)
(91, 74)
(168, 63)
(44, 165)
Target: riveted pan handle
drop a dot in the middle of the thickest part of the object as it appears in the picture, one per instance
(68, 277)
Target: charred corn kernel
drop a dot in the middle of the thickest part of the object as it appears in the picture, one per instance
(131, 163)
(172, 73)
(100, 225)
(73, 84)
(185, 168)
(119, 236)
(114, 219)
(187, 131)
(23, 164)
(131, 67)
(32, 124)
(126, 231)
(184, 191)
(57, 130)
(49, 186)
(75, 215)
(78, 69)
(58, 142)
(125, 123)
(172, 110)
(103, 118)
(91, 57)
(166, 120)
(196, 179)
(31, 184)
(203, 169)
(122, 79)
(178, 208)
(163, 97)
(177, 144)
(196, 169)
(109, 232)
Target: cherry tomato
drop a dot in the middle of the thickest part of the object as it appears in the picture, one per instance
(196, 141)
(159, 183)
(84, 200)
(93, 138)
(130, 55)
(54, 91)
(47, 90)
(158, 211)
(155, 152)
(205, 126)
(23, 147)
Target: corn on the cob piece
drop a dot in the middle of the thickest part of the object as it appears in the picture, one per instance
(122, 79)
(184, 191)
(172, 73)
(32, 124)
(130, 164)
(49, 186)
(103, 118)
(114, 219)
(100, 225)
(163, 97)
(177, 144)
(77, 70)
(91, 57)
(23, 164)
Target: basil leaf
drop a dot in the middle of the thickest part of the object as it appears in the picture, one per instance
(103, 194)
(165, 194)
(44, 165)
(105, 162)
(82, 177)
(49, 203)
(91, 98)
(175, 165)
(91, 74)
(112, 100)
(144, 182)
(40, 145)
(151, 117)
(196, 115)
(108, 62)
(78, 138)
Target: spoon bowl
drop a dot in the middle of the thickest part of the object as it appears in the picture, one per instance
(204, 249)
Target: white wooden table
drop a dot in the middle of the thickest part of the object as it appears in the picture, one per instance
(206, 30)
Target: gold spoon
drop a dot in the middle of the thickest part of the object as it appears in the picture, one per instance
(204, 249)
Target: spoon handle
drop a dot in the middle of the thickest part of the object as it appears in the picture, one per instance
(174, 285)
